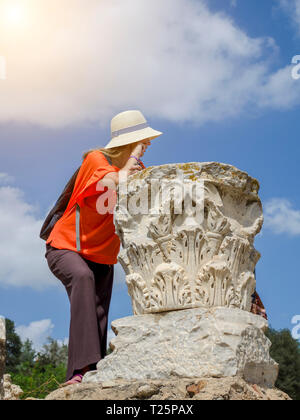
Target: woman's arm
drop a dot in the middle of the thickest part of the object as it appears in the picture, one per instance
(129, 168)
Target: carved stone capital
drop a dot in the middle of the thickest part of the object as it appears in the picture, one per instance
(188, 232)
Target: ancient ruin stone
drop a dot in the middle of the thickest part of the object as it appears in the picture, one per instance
(187, 233)
(216, 389)
(2, 355)
(192, 343)
(192, 246)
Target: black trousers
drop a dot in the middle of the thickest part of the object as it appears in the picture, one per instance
(89, 287)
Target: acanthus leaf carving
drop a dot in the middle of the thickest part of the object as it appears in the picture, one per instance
(245, 289)
(185, 260)
(139, 293)
(214, 286)
(170, 288)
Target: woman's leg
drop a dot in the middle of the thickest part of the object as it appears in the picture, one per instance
(104, 283)
(79, 281)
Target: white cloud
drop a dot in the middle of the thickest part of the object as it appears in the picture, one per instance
(22, 252)
(22, 261)
(37, 332)
(174, 59)
(281, 217)
(63, 342)
(5, 179)
(281, 90)
(292, 8)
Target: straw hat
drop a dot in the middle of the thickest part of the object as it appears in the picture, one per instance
(130, 127)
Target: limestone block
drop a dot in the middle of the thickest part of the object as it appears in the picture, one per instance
(12, 392)
(193, 343)
(2, 355)
(187, 232)
(208, 389)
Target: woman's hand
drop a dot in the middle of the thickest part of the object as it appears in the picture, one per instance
(141, 148)
(131, 167)
(112, 179)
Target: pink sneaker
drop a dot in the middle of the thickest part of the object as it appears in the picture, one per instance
(77, 379)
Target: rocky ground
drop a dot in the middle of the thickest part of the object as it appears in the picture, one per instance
(204, 389)
(11, 391)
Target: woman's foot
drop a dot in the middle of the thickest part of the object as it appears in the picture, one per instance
(78, 375)
(76, 379)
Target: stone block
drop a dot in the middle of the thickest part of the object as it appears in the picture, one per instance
(192, 343)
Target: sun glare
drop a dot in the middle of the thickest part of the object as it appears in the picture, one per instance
(14, 13)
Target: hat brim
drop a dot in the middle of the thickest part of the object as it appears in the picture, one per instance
(135, 136)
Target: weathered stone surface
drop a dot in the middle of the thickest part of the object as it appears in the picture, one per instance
(2, 355)
(196, 254)
(200, 342)
(8, 391)
(187, 232)
(11, 392)
(177, 389)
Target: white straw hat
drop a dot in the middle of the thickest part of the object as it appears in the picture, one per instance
(130, 127)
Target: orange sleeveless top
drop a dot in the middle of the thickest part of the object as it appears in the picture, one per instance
(98, 241)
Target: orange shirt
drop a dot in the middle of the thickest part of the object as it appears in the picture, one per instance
(98, 240)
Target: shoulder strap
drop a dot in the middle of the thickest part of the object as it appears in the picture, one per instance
(107, 158)
(59, 208)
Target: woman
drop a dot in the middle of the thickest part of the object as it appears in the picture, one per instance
(83, 247)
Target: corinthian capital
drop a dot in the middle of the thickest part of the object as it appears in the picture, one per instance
(187, 232)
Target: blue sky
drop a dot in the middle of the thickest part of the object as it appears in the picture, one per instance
(220, 89)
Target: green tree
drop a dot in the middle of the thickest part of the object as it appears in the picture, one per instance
(37, 374)
(27, 358)
(13, 347)
(53, 354)
(27, 353)
(286, 351)
(41, 380)
(40, 373)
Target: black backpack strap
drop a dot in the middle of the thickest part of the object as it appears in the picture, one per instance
(59, 208)
(107, 158)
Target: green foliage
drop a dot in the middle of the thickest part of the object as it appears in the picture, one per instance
(37, 373)
(109, 351)
(40, 380)
(53, 354)
(286, 351)
(13, 347)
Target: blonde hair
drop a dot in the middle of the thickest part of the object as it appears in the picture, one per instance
(114, 152)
